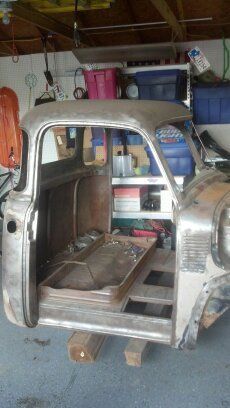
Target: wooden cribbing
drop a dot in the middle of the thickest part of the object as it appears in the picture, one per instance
(84, 347)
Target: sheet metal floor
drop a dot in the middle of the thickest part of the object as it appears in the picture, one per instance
(35, 372)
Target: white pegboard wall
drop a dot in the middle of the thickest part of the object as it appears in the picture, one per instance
(13, 75)
(212, 49)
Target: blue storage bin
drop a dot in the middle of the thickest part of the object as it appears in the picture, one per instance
(133, 138)
(97, 133)
(211, 103)
(165, 85)
(178, 156)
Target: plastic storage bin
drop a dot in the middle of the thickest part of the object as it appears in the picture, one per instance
(133, 138)
(178, 156)
(97, 133)
(101, 83)
(117, 141)
(160, 85)
(211, 103)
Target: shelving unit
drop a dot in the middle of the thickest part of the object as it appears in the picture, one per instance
(132, 70)
(149, 179)
(149, 215)
(183, 67)
(143, 181)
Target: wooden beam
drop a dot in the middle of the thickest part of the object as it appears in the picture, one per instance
(181, 16)
(84, 347)
(40, 20)
(131, 18)
(8, 47)
(168, 15)
(27, 13)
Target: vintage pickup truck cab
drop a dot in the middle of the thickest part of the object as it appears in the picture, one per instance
(97, 288)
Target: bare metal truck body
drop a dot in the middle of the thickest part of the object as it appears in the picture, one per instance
(53, 199)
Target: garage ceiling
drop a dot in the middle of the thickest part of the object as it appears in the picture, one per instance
(32, 19)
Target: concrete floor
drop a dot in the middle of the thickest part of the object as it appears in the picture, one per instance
(35, 372)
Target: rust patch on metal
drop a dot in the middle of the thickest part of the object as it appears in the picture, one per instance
(208, 319)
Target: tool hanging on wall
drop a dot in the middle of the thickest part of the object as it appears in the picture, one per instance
(45, 98)
(58, 91)
(31, 81)
(76, 32)
(79, 92)
(47, 73)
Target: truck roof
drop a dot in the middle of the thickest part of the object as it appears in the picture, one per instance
(145, 115)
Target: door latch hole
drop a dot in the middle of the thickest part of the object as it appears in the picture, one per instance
(11, 226)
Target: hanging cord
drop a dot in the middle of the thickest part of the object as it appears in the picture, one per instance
(15, 55)
(226, 63)
(75, 27)
(79, 92)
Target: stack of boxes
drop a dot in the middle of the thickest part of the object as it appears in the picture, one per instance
(129, 198)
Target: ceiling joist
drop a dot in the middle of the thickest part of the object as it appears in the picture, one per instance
(33, 16)
(180, 9)
(165, 11)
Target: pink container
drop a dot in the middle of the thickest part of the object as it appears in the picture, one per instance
(101, 83)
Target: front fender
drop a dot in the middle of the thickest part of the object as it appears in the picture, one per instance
(212, 302)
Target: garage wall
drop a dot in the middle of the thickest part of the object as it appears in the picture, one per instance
(13, 76)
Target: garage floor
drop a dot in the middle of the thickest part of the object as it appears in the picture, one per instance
(35, 372)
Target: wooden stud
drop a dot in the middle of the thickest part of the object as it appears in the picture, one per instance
(168, 15)
(135, 351)
(84, 347)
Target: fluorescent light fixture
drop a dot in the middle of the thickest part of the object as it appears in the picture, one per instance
(123, 53)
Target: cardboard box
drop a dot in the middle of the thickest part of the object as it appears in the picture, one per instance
(129, 198)
(129, 204)
(130, 192)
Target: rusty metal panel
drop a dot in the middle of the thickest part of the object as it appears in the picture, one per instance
(94, 204)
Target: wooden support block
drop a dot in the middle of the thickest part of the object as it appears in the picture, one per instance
(135, 351)
(84, 347)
